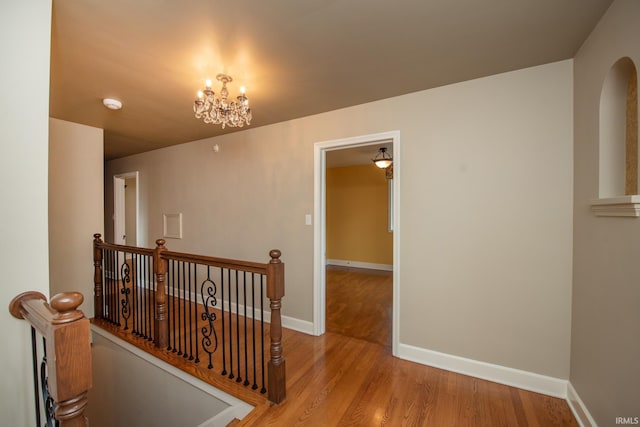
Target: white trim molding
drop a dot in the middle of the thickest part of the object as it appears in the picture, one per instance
(531, 381)
(303, 326)
(578, 408)
(627, 206)
(360, 264)
(319, 229)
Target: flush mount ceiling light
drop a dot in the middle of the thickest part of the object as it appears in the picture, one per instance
(112, 104)
(215, 110)
(383, 159)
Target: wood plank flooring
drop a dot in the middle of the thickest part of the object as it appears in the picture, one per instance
(334, 380)
(359, 303)
(340, 380)
(348, 376)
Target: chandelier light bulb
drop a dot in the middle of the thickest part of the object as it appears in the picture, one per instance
(207, 83)
(243, 89)
(200, 94)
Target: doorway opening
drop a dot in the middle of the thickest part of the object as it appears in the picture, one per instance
(326, 269)
(125, 209)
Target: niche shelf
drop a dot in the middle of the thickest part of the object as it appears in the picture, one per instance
(628, 206)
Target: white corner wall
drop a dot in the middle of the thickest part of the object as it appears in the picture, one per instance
(25, 27)
(486, 210)
(76, 206)
(605, 345)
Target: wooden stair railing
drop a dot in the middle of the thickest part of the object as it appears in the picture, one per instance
(66, 333)
(160, 330)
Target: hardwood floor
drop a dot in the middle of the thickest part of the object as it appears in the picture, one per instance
(348, 376)
(334, 380)
(359, 303)
(340, 380)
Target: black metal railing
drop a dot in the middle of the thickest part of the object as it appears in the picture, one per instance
(45, 408)
(215, 309)
(209, 311)
(127, 286)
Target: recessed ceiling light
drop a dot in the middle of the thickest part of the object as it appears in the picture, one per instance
(112, 104)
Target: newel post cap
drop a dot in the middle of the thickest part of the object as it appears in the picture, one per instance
(66, 304)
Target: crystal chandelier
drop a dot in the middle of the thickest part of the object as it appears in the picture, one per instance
(215, 110)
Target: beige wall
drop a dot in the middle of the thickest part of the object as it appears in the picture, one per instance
(76, 206)
(486, 209)
(25, 27)
(131, 391)
(357, 215)
(605, 345)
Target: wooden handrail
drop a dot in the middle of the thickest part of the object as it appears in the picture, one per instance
(273, 270)
(68, 344)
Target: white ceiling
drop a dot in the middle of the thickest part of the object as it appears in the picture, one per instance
(296, 58)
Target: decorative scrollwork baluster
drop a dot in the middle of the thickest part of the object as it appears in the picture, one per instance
(125, 278)
(209, 301)
(47, 399)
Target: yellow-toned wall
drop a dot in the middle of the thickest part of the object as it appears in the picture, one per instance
(357, 215)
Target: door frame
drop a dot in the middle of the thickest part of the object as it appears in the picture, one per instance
(320, 229)
(119, 206)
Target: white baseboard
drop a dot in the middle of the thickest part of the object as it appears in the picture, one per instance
(500, 374)
(578, 408)
(297, 325)
(359, 264)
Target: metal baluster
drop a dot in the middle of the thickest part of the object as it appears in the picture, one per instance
(146, 289)
(147, 300)
(195, 309)
(49, 404)
(190, 329)
(263, 389)
(170, 292)
(231, 374)
(153, 288)
(224, 355)
(208, 291)
(109, 286)
(107, 282)
(239, 379)
(184, 308)
(34, 355)
(125, 276)
(253, 328)
(246, 357)
(173, 289)
(134, 294)
(115, 288)
(105, 286)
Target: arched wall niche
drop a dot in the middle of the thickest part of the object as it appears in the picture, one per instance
(619, 180)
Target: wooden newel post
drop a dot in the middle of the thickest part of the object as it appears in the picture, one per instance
(68, 346)
(161, 321)
(97, 277)
(275, 291)
(72, 346)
